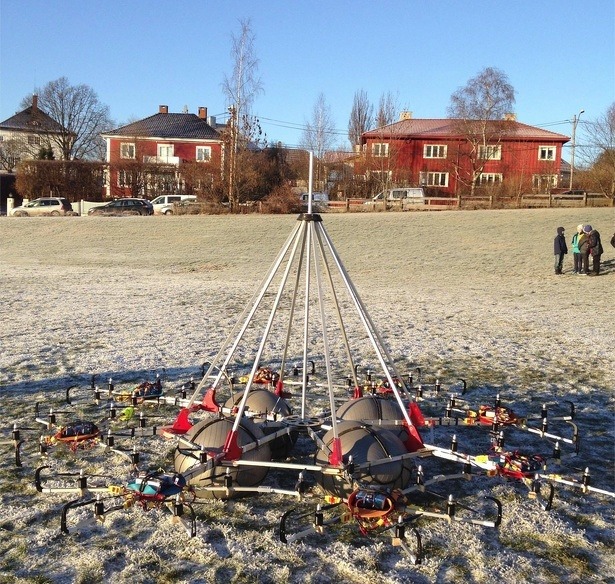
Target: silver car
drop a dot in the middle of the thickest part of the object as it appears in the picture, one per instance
(44, 206)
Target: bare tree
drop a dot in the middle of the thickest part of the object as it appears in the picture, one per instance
(599, 154)
(244, 85)
(388, 110)
(482, 110)
(361, 117)
(318, 133)
(241, 89)
(11, 152)
(79, 113)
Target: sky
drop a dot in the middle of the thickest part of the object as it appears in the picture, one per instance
(136, 55)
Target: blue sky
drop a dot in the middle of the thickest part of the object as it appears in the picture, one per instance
(558, 55)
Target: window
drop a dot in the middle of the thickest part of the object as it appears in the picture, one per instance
(490, 152)
(546, 153)
(122, 178)
(489, 178)
(380, 150)
(434, 179)
(434, 151)
(384, 176)
(165, 151)
(544, 181)
(36, 140)
(203, 153)
(127, 150)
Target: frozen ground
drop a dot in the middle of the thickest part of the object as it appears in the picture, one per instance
(461, 295)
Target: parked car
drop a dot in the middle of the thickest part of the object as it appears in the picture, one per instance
(415, 195)
(163, 205)
(44, 206)
(319, 200)
(125, 206)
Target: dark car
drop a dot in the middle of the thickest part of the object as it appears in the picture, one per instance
(127, 206)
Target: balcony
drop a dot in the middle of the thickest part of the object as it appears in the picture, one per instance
(161, 160)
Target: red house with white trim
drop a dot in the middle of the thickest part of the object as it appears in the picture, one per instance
(149, 157)
(447, 155)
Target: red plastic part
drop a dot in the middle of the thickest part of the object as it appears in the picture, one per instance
(232, 450)
(209, 403)
(335, 458)
(358, 392)
(414, 441)
(416, 416)
(182, 423)
(279, 390)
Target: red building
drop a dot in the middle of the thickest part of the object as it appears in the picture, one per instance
(458, 157)
(165, 153)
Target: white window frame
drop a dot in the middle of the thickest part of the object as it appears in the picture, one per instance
(200, 150)
(490, 152)
(435, 151)
(489, 178)
(380, 149)
(128, 150)
(547, 153)
(544, 181)
(384, 176)
(165, 151)
(434, 179)
(121, 179)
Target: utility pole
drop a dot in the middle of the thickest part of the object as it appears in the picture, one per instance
(575, 121)
(232, 157)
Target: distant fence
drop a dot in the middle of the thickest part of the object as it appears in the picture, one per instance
(525, 201)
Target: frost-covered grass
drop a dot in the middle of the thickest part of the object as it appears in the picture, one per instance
(460, 295)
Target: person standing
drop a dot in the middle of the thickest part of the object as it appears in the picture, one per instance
(576, 254)
(560, 249)
(595, 250)
(583, 243)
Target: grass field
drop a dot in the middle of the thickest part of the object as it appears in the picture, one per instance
(460, 295)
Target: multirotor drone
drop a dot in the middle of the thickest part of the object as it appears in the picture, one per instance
(289, 395)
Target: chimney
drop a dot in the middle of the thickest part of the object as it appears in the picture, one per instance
(211, 121)
(34, 103)
(163, 109)
(203, 113)
(405, 115)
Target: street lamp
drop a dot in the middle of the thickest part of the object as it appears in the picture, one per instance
(575, 121)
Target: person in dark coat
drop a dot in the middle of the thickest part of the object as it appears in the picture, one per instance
(560, 249)
(595, 251)
(583, 243)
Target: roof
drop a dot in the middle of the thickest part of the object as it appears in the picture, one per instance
(169, 127)
(449, 127)
(32, 119)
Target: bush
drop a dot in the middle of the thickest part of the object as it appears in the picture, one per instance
(281, 200)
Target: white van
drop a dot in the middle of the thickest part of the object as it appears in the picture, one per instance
(412, 195)
(163, 205)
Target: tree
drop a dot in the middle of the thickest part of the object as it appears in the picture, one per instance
(241, 89)
(318, 133)
(10, 153)
(387, 110)
(600, 153)
(81, 116)
(361, 117)
(482, 110)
